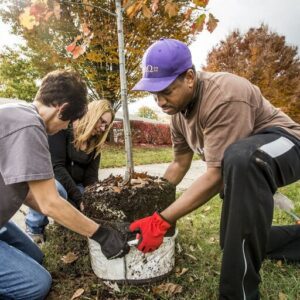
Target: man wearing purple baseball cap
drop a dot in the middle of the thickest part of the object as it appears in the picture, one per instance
(250, 147)
(162, 63)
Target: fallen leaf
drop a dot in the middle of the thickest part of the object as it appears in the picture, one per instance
(169, 288)
(212, 240)
(158, 180)
(139, 182)
(111, 285)
(160, 187)
(191, 256)
(279, 263)
(134, 181)
(77, 294)
(180, 273)
(179, 248)
(143, 180)
(282, 296)
(116, 189)
(100, 188)
(192, 248)
(207, 208)
(69, 258)
(81, 206)
(199, 247)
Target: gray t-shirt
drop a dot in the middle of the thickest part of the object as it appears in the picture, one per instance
(24, 155)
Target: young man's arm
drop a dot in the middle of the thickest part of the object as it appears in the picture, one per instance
(46, 199)
(178, 167)
(31, 202)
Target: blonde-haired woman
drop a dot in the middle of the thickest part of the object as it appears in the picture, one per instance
(75, 155)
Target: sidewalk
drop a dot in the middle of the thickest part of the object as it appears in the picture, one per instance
(197, 168)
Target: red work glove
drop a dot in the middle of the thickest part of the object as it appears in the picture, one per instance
(152, 230)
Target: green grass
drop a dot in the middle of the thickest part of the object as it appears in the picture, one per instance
(200, 254)
(113, 156)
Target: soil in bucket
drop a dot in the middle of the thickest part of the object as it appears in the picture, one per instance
(117, 204)
(113, 201)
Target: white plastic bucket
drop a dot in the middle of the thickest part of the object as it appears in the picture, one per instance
(135, 267)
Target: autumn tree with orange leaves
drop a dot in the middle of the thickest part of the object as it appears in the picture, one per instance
(264, 58)
(81, 34)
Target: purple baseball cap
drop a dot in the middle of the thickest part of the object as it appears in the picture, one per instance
(162, 63)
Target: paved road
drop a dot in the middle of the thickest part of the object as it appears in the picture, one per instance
(198, 167)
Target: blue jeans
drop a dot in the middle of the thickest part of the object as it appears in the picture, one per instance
(21, 275)
(35, 221)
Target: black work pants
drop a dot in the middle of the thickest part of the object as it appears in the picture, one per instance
(253, 168)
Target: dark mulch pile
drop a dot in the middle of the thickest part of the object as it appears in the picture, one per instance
(112, 200)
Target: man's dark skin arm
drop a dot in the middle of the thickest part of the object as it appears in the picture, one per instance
(153, 228)
(202, 189)
(178, 167)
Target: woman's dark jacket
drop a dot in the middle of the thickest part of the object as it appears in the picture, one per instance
(70, 166)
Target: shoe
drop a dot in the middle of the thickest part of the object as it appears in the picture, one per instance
(38, 238)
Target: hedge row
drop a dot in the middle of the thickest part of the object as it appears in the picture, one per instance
(143, 133)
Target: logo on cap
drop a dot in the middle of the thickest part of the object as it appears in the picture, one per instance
(150, 69)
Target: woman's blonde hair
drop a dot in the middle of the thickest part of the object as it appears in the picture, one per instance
(84, 128)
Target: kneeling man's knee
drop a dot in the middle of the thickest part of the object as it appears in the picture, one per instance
(236, 155)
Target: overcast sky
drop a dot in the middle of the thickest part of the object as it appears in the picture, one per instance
(282, 16)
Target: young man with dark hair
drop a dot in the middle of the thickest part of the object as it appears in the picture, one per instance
(26, 176)
(64, 86)
(250, 147)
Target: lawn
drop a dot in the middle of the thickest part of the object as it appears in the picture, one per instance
(197, 268)
(113, 156)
